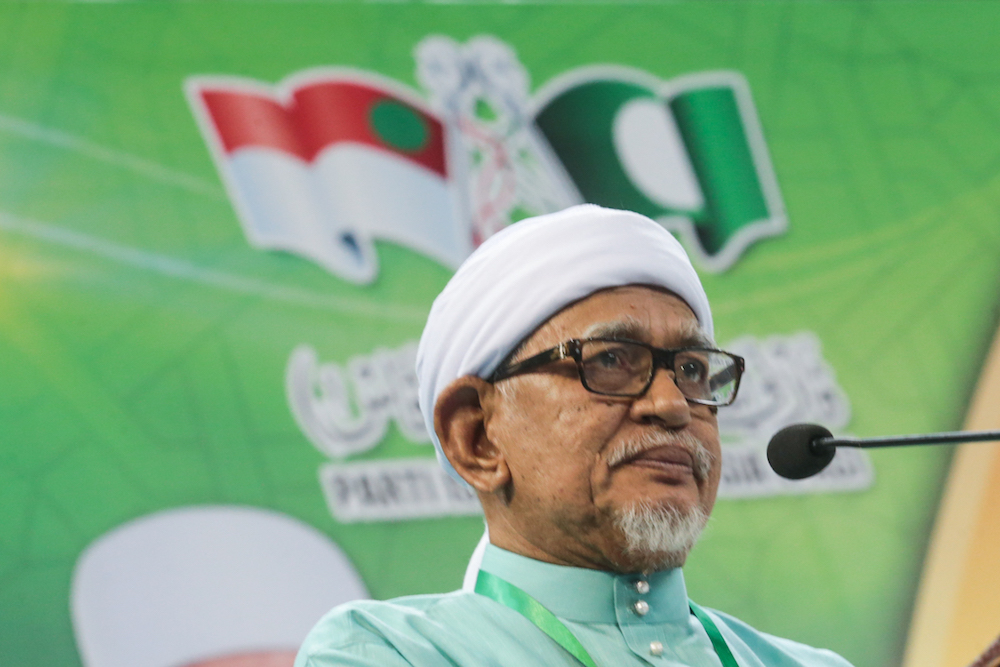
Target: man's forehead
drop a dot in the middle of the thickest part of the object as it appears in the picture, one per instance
(686, 331)
(636, 312)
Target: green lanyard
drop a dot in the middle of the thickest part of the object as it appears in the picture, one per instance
(511, 596)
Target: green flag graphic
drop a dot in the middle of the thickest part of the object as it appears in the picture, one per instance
(689, 153)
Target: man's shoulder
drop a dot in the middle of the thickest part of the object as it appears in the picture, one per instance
(385, 631)
(774, 650)
(364, 618)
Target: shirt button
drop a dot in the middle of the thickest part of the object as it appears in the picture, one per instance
(641, 607)
(655, 648)
(642, 587)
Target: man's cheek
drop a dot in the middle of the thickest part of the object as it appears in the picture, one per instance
(566, 483)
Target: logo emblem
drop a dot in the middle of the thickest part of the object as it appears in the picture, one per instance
(330, 160)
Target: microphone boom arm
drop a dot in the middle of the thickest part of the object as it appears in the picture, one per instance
(803, 450)
(946, 438)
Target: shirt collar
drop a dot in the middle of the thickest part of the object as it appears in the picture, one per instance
(592, 596)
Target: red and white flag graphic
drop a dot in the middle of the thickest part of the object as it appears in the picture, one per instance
(325, 163)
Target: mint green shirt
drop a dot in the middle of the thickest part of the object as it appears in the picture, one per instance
(468, 630)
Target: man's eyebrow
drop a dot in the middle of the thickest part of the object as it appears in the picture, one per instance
(690, 335)
(628, 327)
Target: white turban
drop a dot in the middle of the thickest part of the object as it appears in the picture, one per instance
(528, 272)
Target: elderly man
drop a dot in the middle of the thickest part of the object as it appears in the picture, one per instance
(568, 375)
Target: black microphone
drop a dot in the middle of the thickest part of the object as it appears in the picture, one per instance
(803, 450)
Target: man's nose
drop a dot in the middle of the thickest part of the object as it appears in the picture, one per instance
(663, 402)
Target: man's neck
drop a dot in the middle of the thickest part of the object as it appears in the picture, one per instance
(572, 552)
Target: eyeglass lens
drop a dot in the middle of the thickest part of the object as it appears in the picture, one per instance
(623, 369)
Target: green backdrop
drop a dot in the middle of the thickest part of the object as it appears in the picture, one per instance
(143, 342)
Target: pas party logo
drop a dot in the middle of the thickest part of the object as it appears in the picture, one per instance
(331, 159)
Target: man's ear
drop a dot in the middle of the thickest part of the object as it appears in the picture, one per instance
(460, 416)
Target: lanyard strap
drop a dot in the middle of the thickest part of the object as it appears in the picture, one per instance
(509, 595)
(718, 641)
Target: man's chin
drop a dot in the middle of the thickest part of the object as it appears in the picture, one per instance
(658, 537)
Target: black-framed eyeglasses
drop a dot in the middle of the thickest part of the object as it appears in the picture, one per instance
(616, 367)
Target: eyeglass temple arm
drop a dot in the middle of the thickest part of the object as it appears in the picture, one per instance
(560, 352)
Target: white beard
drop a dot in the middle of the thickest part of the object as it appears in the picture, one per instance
(658, 537)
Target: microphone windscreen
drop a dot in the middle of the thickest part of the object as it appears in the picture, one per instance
(792, 454)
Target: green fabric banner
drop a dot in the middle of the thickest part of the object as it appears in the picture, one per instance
(222, 226)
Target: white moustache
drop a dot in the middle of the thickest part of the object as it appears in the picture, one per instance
(701, 458)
